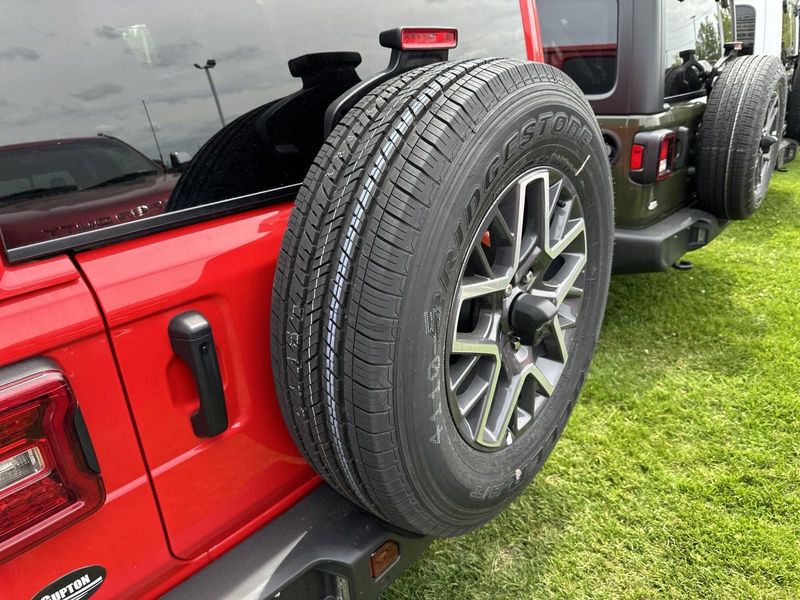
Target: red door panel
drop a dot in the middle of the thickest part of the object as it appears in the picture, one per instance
(207, 488)
(47, 310)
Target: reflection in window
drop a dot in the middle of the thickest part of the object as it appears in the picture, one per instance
(694, 30)
(55, 188)
(126, 70)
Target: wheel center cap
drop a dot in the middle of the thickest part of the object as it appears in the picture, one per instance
(528, 314)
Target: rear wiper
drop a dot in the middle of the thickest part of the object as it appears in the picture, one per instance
(47, 191)
(122, 178)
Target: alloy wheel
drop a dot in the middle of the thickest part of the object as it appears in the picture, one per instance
(516, 309)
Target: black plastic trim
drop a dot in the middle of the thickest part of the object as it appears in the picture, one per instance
(321, 544)
(85, 441)
(163, 222)
(659, 246)
(614, 143)
(400, 61)
(193, 342)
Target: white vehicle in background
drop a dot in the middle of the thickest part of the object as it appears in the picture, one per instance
(773, 27)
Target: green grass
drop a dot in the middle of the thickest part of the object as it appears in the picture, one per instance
(678, 475)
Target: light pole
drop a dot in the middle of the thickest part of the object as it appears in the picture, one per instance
(210, 64)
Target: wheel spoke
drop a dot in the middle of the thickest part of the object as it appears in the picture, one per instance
(554, 195)
(502, 227)
(561, 220)
(475, 286)
(480, 262)
(574, 228)
(771, 124)
(477, 390)
(567, 317)
(462, 369)
(471, 343)
(558, 334)
(546, 373)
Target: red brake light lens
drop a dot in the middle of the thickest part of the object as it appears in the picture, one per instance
(637, 157)
(666, 156)
(428, 38)
(45, 483)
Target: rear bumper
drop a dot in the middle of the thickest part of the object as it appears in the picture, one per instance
(318, 549)
(659, 246)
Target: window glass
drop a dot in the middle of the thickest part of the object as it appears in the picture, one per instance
(746, 27)
(789, 28)
(113, 111)
(698, 26)
(580, 38)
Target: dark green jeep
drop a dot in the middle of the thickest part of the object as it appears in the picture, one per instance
(690, 126)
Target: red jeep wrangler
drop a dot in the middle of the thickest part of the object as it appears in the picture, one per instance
(392, 277)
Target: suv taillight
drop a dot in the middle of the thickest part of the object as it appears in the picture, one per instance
(666, 156)
(653, 156)
(45, 481)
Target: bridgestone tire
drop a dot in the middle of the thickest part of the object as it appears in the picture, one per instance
(793, 108)
(369, 267)
(728, 180)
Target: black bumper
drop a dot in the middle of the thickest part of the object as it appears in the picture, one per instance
(659, 246)
(318, 549)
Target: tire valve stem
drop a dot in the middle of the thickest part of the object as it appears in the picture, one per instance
(516, 343)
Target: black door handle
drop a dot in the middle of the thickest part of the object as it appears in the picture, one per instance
(192, 340)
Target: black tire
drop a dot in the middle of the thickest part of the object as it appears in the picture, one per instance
(732, 181)
(231, 163)
(793, 108)
(369, 266)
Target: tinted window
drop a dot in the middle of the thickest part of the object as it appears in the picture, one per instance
(73, 70)
(580, 37)
(701, 26)
(746, 26)
(39, 169)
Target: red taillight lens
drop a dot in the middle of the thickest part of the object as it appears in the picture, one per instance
(428, 38)
(45, 482)
(637, 157)
(666, 156)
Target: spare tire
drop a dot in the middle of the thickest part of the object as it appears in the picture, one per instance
(441, 287)
(740, 136)
(793, 108)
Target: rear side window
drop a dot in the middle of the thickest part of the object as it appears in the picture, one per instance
(699, 26)
(122, 118)
(580, 38)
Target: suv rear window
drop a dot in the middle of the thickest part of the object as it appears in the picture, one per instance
(222, 103)
(580, 38)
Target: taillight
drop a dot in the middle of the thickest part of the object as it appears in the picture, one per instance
(45, 481)
(424, 38)
(653, 156)
(420, 38)
(666, 155)
(637, 157)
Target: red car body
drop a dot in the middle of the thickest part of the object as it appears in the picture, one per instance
(173, 502)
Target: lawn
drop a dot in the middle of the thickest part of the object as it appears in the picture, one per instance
(679, 471)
